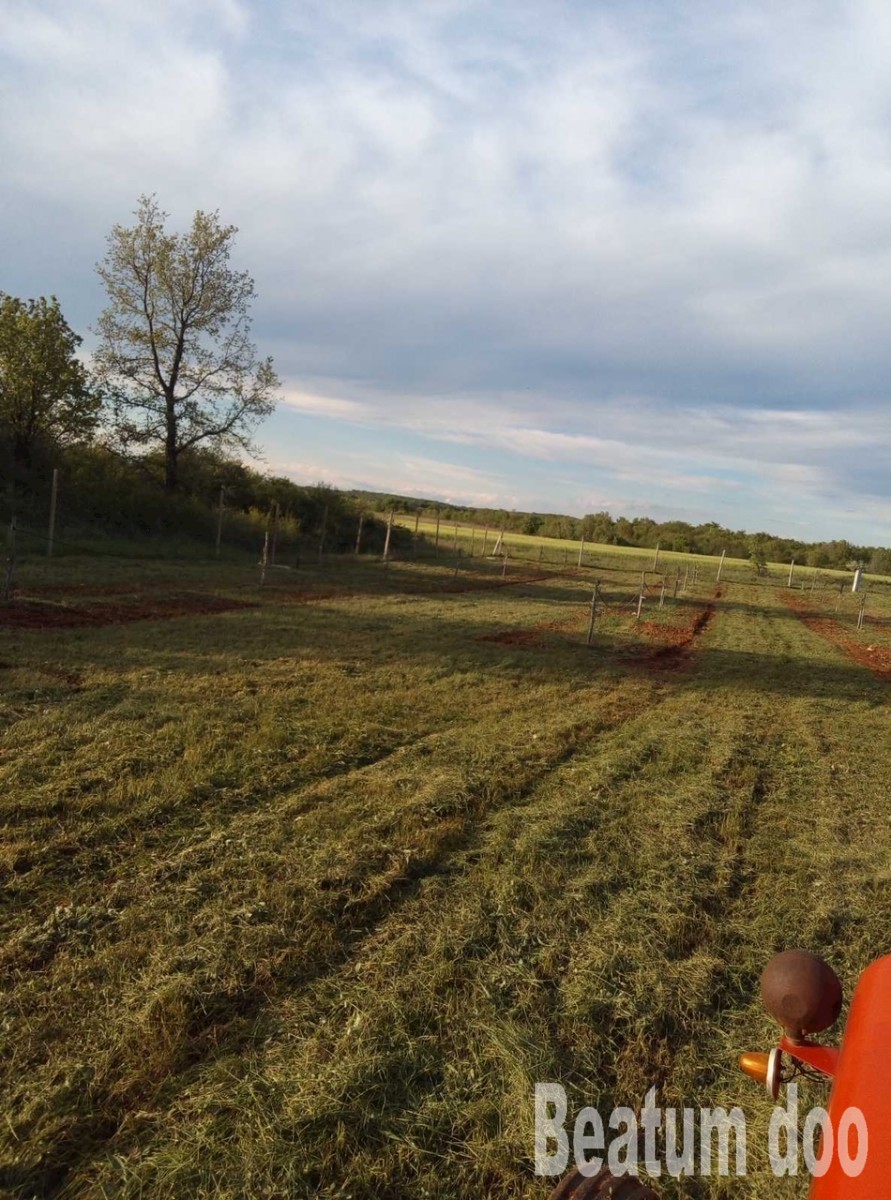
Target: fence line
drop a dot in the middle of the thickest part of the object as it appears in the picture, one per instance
(405, 540)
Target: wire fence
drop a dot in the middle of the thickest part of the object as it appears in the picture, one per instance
(275, 539)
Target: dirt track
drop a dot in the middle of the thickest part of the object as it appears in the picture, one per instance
(861, 650)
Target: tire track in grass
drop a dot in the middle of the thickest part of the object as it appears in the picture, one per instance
(204, 1017)
(662, 893)
(537, 821)
(101, 854)
(682, 894)
(504, 858)
(123, 831)
(225, 1019)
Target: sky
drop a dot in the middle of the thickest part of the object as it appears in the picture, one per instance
(562, 255)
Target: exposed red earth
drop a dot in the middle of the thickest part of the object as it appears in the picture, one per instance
(27, 613)
(675, 643)
(512, 637)
(859, 648)
(47, 606)
(670, 645)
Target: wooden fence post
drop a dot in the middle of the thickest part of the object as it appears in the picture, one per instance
(220, 520)
(359, 534)
(273, 542)
(264, 558)
(324, 531)
(52, 520)
(9, 582)
(593, 613)
(387, 539)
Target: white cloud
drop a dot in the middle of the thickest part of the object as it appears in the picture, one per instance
(416, 475)
(650, 241)
(326, 406)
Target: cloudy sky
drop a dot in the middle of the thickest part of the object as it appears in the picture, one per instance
(555, 254)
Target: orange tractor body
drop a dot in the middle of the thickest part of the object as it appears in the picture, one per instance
(803, 993)
(861, 1080)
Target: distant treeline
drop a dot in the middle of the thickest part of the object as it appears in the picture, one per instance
(646, 534)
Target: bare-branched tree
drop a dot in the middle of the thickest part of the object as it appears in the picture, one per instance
(175, 352)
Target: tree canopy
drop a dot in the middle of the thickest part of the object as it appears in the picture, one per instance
(175, 350)
(44, 392)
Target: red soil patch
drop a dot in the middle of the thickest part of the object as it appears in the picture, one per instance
(530, 637)
(34, 614)
(307, 596)
(452, 587)
(676, 642)
(512, 637)
(876, 658)
(568, 625)
(93, 589)
(669, 635)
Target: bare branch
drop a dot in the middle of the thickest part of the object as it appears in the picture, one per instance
(175, 347)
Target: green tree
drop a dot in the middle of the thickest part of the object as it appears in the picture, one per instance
(599, 527)
(175, 349)
(44, 393)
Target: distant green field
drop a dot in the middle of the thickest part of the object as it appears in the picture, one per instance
(306, 887)
(472, 539)
(525, 542)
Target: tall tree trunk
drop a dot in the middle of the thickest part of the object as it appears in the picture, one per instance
(21, 452)
(171, 449)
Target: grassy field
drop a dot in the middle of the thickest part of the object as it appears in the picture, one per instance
(305, 888)
(471, 541)
(555, 551)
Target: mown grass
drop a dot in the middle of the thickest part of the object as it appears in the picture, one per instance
(302, 899)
